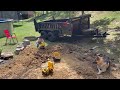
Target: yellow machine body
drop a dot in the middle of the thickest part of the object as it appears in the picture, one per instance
(49, 69)
(56, 55)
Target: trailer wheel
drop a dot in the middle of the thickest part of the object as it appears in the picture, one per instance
(51, 37)
(43, 34)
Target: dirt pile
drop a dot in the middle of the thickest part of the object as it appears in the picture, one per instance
(76, 63)
(20, 64)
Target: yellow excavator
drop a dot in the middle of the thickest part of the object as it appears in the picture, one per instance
(56, 55)
(49, 68)
(42, 45)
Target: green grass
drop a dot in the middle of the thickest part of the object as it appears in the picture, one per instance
(112, 19)
(27, 29)
(99, 19)
(108, 15)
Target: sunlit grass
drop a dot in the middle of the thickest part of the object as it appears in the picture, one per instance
(27, 29)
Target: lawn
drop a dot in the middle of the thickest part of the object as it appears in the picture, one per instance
(108, 19)
(99, 19)
(21, 31)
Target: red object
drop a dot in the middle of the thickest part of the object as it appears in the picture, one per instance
(9, 36)
(65, 23)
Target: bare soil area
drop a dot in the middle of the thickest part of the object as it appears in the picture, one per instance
(76, 63)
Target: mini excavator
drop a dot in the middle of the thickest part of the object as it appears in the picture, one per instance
(49, 69)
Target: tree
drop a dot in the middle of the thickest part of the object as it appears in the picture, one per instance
(46, 12)
(70, 13)
(82, 12)
(34, 13)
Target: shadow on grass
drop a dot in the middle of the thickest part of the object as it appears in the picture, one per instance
(41, 17)
(37, 17)
(74, 39)
(31, 38)
(102, 22)
(12, 44)
(2, 37)
(17, 26)
(118, 34)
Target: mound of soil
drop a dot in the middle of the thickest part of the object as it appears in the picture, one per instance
(76, 63)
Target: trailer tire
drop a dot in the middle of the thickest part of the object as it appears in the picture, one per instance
(43, 34)
(51, 36)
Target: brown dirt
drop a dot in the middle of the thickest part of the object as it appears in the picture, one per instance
(76, 63)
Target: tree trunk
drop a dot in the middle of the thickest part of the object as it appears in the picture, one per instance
(69, 14)
(35, 13)
(82, 12)
(0, 53)
(43, 13)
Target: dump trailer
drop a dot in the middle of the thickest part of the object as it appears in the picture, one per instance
(53, 29)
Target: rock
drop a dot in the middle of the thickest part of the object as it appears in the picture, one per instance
(70, 51)
(6, 55)
(31, 38)
(1, 60)
(22, 48)
(24, 45)
(88, 58)
(115, 67)
(17, 51)
(19, 46)
(85, 54)
(94, 47)
(28, 54)
(26, 42)
(36, 58)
